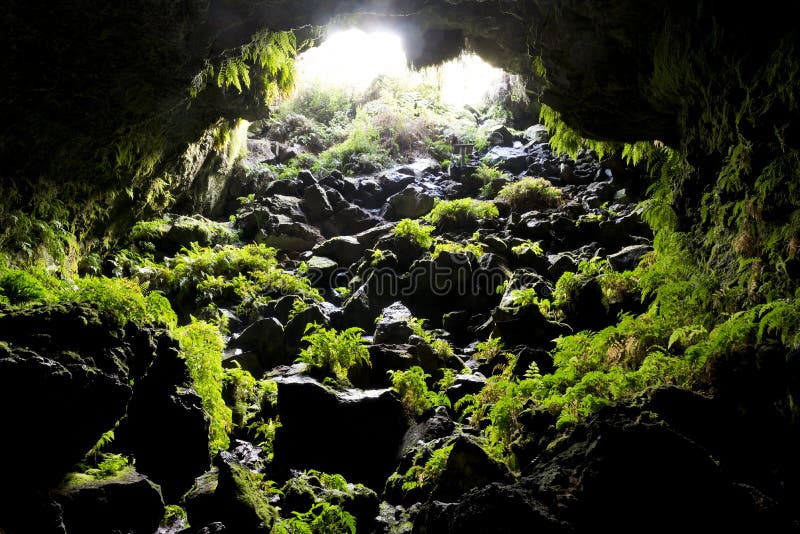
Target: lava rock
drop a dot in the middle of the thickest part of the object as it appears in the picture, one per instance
(393, 326)
(344, 250)
(266, 338)
(128, 503)
(628, 258)
(361, 430)
(410, 203)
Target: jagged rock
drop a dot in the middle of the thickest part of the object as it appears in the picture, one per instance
(465, 385)
(501, 137)
(537, 134)
(628, 258)
(68, 366)
(344, 250)
(322, 271)
(265, 338)
(383, 358)
(468, 466)
(165, 427)
(230, 494)
(410, 203)
(316, 203)
(395, 180)
(296, 327)
(495, 508)
(393, 327)
(598, 193)
(127, 503)
(559, 264)
(289, 236)
(525, 326)
(306, 178)
(289, 188)
(511, 159)
(437, 426)
(303, 490)
(348, 221)
(361, 430)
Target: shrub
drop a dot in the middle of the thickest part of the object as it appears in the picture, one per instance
(413, 230)
(457, 248)
(335, 352)
(530, 194)
(19, 286)
(201, 347)
(462, 211)
(486, 174)
(410, 385)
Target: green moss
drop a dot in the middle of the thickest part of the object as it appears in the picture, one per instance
(335, 352)
(530, 193)
(462, 211)
(416, 232)
(201, 347)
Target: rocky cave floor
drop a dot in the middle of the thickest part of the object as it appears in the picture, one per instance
(669, 459)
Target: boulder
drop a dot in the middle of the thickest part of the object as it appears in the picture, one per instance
(67, 366)
(465, 384)
(628, 258)
(266, 338)
(289, 236)
(348, 221)
(496, 508)
(127, 503)
(468, 466)
(511, 159)
(230, 494)
(537, 134)
(393, 326)
(316, 204)
(322, 271)
(410, 203)
(361, 430)
(344, 250)
(165, 427)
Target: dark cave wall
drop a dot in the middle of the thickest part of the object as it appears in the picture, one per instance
(91, 85)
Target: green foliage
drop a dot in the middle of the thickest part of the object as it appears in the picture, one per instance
(20, 286)
(530, 193)
(425, 476)
(201, 347)
(564, 139)
(486, 174)
(457, 248)
(528, 246)
(410, 385)
(415, 231)
(225, 275)
(322, 518)
(462, 211)
(174, 514)
(335, 352)
(528, 297)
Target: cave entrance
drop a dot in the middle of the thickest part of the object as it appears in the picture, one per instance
(359, 107)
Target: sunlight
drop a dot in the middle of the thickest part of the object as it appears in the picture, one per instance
(352, 59)
(467, 80)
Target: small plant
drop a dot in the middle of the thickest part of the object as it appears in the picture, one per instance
(298, 306)
(413, 230)
(528, 297)
(201, 347)
(487, 174)
(377, 256)
(333, 351)
(20, 286)
(530, 194)
(425, 476)
(322, 518)
(528, 246)
(457, 248)
(410, 385)
(462, 211)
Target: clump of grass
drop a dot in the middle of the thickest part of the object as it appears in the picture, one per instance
(530, 194)
(201, 346)
(335, 352)
(463, 211)
(415, 231)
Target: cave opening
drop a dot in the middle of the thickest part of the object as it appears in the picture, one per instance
(427, 266)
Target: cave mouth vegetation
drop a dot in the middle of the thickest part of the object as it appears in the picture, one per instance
(420, 267)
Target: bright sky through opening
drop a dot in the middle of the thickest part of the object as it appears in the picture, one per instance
(354, 58)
